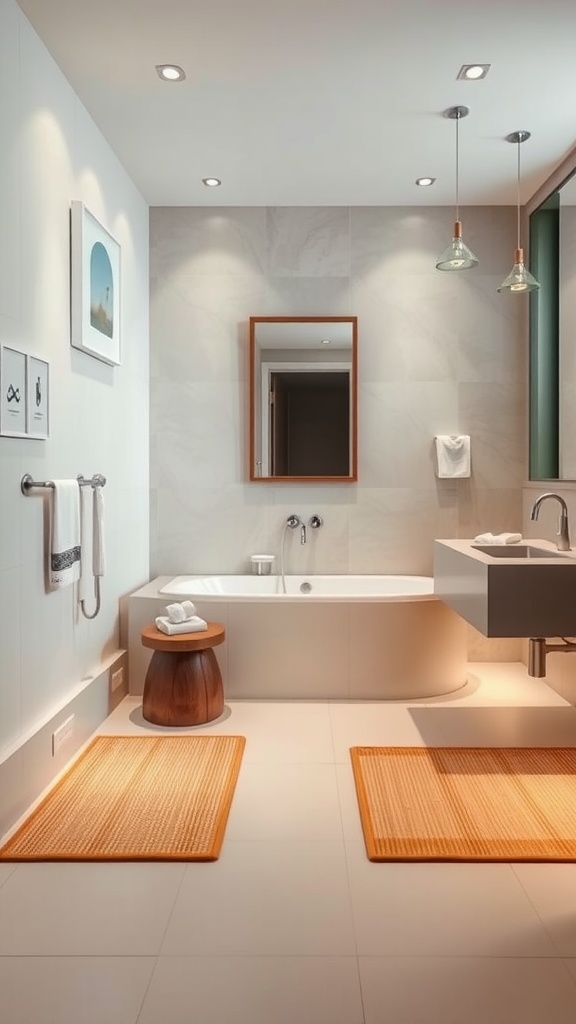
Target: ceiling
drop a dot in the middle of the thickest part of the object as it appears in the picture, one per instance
(321, 102)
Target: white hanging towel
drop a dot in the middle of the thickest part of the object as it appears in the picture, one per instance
(93, 557)
(65, 539)
(452, 455)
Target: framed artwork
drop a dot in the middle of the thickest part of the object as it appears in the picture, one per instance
(95, 284)
(38, 397)
(12, 392)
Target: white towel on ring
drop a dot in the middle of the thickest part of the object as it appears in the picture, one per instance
(65, 539)
(452, 455)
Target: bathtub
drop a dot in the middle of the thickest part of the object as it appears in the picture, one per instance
(347, 638)
(298, 588)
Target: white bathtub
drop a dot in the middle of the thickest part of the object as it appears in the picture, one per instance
(298, 588)
(349, 638)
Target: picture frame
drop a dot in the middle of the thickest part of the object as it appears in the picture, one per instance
(37, 397)
(13, 392)
(95, 286)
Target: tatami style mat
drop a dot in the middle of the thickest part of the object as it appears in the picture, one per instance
(470, 804)
(136, 798)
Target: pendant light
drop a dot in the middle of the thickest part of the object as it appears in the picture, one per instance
(519, 279)
(457, 256)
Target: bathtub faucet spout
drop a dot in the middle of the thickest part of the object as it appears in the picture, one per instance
(293, 521)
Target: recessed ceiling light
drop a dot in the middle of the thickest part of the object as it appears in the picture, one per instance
(472, 72)
(325, 341)
(170, 72)
(211, 182)
(425, 181)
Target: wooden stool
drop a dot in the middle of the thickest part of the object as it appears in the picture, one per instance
(183, 684)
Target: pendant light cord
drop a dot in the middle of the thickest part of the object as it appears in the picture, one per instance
(518, 200)
(457, 169)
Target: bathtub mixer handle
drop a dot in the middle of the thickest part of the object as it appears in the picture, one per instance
(293, 521)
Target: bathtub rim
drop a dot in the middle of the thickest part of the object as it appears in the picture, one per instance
(167, 590)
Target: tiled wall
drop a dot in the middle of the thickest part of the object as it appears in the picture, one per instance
(52, 153)
(438, 353)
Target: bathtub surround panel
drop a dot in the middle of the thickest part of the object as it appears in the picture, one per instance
(405, 646)
(437, 353)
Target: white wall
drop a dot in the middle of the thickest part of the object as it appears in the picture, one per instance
(52, 153)
(438, 353)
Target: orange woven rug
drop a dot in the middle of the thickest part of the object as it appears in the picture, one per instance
(472, 804)
(136, 798)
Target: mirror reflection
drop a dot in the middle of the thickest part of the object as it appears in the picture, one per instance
(552, 327)
(303, 398)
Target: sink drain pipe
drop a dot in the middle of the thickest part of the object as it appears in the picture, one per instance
(537, 651)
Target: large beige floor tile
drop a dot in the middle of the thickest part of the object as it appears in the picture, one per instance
(286, 801)
(551, 889)
(254, 990)
(466, 990)
(262, 898)
(87, 909)
(442, 909)
(70, 990)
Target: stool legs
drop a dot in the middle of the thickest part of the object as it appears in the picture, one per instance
(183, 688)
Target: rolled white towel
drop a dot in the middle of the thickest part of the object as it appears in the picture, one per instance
(192, 625)
(180, 612)
(175, 612)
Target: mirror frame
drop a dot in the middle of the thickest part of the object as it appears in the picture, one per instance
(351, 477)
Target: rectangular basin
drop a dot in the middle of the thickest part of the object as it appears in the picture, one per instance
(517, 551)
(515, 590)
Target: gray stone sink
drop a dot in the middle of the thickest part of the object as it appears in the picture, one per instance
(508, 590)
(518, 551)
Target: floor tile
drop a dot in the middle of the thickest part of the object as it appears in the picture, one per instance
(67, 990)
(87, 909)
(287, 801)
(379, 725)
(285, 899)
(551, 889)
(442, 909)
(506, 726)
(280, 732)
(466, 990)
(5, 871)
(254, 990)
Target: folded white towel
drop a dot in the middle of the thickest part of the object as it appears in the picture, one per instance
(452, 455)
(65, 540)
(497, 538)
(180, 612)
(193, 625)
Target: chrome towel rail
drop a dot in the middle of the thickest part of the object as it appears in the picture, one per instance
(27, 483)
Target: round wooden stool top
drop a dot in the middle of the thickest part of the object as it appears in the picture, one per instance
(177, 642)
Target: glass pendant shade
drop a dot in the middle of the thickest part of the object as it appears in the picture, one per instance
(519, 279)
(457, 256)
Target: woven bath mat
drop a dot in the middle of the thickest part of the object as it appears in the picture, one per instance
(136, 798)
(470, 804)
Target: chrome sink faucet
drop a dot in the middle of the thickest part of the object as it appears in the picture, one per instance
(563, 535)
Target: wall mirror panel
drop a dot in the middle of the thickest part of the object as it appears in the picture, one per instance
(303, 399)
(552, 336)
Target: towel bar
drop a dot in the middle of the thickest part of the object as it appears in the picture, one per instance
(27, 483)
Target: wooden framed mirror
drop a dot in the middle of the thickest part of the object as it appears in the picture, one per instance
(303, 398)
